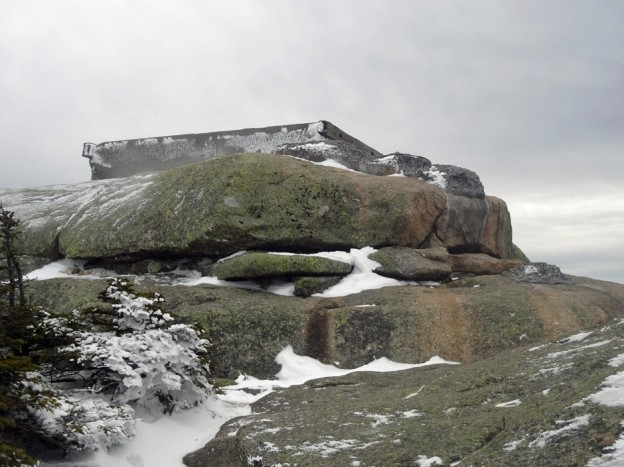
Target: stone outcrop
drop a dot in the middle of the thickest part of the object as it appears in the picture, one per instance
(530, 406)
(452, 179)
(252, 202)
(346, 153)
(464, 320)
(538, 273)
(428, 222)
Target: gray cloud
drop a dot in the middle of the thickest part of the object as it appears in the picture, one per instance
(526, 93)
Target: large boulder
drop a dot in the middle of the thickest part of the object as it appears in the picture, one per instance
(251, 202)
(481, 264)
(258, 202)
(430, 264)
(258, 265)
(497, 231)
(308, 285)
(476, 225)
(452, 179)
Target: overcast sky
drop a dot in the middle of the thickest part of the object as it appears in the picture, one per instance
(528, 94)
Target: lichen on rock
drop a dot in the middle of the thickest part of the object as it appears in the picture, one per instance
(410, 264)
(259, 265)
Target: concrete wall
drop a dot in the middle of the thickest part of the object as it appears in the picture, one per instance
(127, 157)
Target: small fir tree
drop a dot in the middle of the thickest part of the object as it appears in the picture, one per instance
(125, 353)
(139, 354)
(15, 363)
(14, 288)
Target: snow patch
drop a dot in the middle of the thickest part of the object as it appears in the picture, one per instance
(362, 277)
(437, 177)
(612, 392)
(414, 393)
(530, 269)
(617, 361)
(387, 160)
(424, 461)
(513, 403)
(327, 448)
(511, 446)
(68, 268)
(335, 164)
(578, 349)
(568, 425)
(380, 419)
(576, 337)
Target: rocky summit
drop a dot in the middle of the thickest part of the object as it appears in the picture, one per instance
(325, 245)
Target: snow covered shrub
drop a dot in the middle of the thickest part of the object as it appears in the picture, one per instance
(31, 409)
(141, 356)
(35, 415)
(75, 419)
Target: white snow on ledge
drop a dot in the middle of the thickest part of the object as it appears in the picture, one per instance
(68, 268)
(360, 279)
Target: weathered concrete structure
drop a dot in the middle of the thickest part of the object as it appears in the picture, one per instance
(123, 158)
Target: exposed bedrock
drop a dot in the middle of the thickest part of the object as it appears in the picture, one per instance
(252, 202)
(544, 405)
(464, 320)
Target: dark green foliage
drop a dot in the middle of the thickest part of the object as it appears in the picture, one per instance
(14, 288)
(11, 456)
(17, 320)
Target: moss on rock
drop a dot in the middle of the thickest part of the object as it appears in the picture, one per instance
(221, 206)
(521, 407)
(413, 264)
(256, 265)
(306, 286)
(466, 320)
